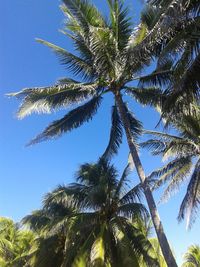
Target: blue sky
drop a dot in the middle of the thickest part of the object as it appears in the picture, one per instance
(28, 173)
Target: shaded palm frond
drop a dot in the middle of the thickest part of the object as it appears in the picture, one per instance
(72, 120)
(132, 195)
(136, 125)
(37, 220)
(116, 134)
(156, 78)
(130, 210)
(122, 182)
(147, 96)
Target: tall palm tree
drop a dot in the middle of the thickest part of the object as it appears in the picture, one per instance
(192, 257)
(99, 231)
(14, 244)
(184, 153)
(106, 63)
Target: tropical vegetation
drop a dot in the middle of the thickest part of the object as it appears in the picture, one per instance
(192, 257)
(15, 244)
(105, 63)
(110, 54)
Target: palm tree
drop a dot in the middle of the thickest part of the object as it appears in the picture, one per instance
(106, 63)
(184, 151)
(14, 244)
(98, 230)
(192, 257)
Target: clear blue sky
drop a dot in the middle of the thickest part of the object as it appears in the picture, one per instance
(28, 173)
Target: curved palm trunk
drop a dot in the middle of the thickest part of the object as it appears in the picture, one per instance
(167, 253)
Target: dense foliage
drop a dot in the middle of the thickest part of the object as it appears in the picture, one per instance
(15, 244)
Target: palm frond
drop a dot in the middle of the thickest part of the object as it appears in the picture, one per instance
(147, 96)
(155, 146)
(74, 63)
(171, 145)
(191, 201)
(136, 125)
(120, 23)
(130, 210)
(116, 134)
(177, 177)
(97, 254)
(159, 78)
(192, 256)
(132, 195)
(37, 220)
(122, 181)
(84, 13)
(170, 170)
(46, 99)
(72, 120)
(103, 46)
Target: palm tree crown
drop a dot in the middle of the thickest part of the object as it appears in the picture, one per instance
(103, 61)
(100, 227)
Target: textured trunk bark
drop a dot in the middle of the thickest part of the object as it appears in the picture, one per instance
(167, 253)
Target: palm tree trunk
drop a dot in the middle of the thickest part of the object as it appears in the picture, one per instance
(167, 253)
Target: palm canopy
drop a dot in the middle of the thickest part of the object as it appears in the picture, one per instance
(100, 228)
(192, 257)
(184, 153)
(102, 60)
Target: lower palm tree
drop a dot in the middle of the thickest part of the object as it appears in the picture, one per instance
(192, 257)
(100, 231)
(184, 153)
